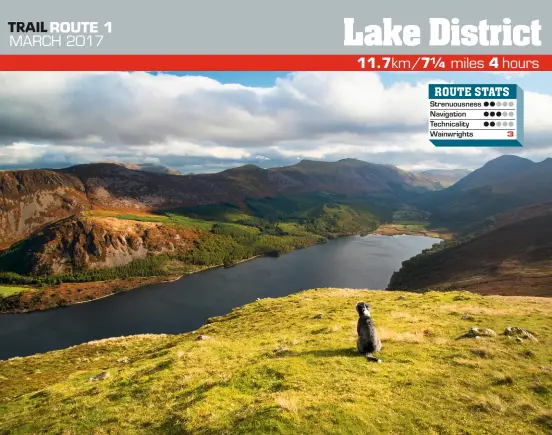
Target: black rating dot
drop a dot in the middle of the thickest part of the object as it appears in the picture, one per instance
(492, 124)
(498, 114)
(492, 103)
(492, 114)
(486, 124)
(486, 104)
(486, 114)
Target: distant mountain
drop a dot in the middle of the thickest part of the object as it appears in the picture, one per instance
(502, 184)
(494, 171)
(32, 199)
(353, 176)
(147, 167)
(509, 253)
(445, 177)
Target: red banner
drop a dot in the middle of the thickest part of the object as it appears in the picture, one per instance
(274, 62)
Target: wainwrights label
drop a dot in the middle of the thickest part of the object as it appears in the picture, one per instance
(475, 115)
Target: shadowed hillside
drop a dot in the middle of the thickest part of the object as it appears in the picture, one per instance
(494, 171)
(147, 167)
(510, 253)
(502, 184)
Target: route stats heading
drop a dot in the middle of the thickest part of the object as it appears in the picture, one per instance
(444, 32)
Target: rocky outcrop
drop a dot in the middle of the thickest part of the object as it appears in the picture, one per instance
(31, 199)
(77, 244)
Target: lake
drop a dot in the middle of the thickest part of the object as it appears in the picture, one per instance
(185, 305)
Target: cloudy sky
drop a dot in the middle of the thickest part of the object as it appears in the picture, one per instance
(206, 122)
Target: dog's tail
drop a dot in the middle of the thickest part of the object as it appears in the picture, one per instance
(372, 358)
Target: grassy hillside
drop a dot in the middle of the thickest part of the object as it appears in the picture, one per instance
(275, 366)
(445, 177)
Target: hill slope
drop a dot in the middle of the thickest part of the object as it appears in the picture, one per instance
(31, 199)
(510, 253)
(445, 177)
(149, 167)
(494, 171)
(502, 184)
(273, 367)
(73, 245)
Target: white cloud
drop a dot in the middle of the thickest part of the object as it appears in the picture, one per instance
(53, 119)
(509, 75)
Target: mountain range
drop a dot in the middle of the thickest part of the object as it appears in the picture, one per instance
(33, 198)
(502, 184)
(445, 177)
(107, 221)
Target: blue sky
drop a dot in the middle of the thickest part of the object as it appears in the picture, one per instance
(203, 122)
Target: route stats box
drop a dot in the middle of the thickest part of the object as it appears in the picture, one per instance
(476, 115)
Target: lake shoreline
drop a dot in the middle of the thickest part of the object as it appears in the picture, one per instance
(103, 289)
(184, 305)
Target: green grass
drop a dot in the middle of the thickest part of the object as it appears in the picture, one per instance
(411, 226)
(430, 381)
(131, 217)
(12, 290)
(188, 222)
(224, 212)
(171, 218)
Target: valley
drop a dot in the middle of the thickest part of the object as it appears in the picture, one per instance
(133, 227)
(501, 217)
(478, 252)
(123, 226)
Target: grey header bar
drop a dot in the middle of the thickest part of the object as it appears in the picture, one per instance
(255, 26)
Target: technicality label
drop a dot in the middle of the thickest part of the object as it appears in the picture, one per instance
(475, 115)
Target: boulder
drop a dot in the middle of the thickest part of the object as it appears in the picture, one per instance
(520, 333)
(100, 377)
(480, 332)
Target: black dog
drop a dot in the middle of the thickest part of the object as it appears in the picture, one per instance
(368, 341)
